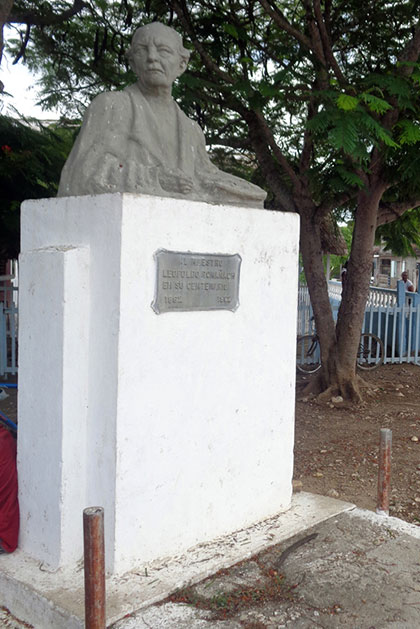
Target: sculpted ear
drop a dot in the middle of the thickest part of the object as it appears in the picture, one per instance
(182, 66)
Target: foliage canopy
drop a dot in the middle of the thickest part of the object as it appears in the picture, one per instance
(325, 95)
(322, 77)
(31, 159)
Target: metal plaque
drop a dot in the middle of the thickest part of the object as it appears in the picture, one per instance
(196, 281)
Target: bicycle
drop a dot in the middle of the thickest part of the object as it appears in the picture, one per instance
(370, 353)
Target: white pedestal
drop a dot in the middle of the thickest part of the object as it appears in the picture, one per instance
(179, 424)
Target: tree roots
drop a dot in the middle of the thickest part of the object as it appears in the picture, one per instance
(346, 387)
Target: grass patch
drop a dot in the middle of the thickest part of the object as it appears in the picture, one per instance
(226, 604)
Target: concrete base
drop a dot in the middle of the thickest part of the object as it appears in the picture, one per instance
(179, 424)
(49, 600)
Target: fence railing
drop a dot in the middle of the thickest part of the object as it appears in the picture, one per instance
(397, 326)
(334, 290)
(377, 296)
(8, 329)
(399, 329)
(382, 296)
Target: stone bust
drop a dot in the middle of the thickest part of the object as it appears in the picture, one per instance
(138, 140)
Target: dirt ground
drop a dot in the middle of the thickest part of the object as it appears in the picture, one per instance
(336, 451)
(337, 446)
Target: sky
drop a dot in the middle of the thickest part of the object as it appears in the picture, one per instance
(20, 83)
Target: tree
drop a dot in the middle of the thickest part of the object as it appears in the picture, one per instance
(352, 94)
(402, 235)
(324, 93)
(5, 8)
(31, 160)
(337, 261)
(35, 14)
(79, 47)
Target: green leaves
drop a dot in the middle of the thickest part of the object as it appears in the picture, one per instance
(231, 30)
(397, 87)
(347, 102)
(344, 133)
(353, 124)
(268, 90)
(400, 236)
(349, 177)
(375, 104)
(30, 164)
(410, 132)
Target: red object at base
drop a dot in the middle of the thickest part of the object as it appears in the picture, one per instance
(9, 506)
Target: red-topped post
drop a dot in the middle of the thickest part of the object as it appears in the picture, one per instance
(94, 562)
(384, 472)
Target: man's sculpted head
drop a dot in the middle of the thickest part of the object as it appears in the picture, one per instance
(157, 55)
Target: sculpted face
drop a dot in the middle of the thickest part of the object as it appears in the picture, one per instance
(155, 55)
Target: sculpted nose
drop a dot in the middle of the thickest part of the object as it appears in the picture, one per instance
(151, 52)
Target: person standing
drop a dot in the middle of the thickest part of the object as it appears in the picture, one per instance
(9, 506)
(409, 286)
(344, 276)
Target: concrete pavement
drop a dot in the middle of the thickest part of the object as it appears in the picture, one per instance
(361, 571)
(324, 563)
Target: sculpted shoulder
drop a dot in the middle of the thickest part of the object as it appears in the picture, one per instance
(108, 101)
(195, 127)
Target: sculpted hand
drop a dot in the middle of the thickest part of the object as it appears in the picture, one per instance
(231, 185)
(107, 175)
(175, 181)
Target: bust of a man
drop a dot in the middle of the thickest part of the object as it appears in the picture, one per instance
(138, 140)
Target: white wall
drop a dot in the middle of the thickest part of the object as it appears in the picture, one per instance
(189, 427)
(53, 398)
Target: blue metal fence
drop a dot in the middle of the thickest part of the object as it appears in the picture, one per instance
(393, 315)
(8, 329)
(397, 322)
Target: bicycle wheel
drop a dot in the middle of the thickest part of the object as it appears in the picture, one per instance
(308, 357)
(371, 352)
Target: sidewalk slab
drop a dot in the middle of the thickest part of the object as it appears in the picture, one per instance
(51, 600)
(360, 571)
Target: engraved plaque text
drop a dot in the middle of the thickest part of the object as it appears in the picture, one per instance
(196, 281)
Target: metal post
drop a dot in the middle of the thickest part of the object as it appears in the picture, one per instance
(384, 472)
(94, 553)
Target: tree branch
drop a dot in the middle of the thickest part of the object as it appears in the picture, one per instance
(49, 19)
(315, 37)
(23, 44)
(389, 212)
(184, 18)
(268, 137)
(306, 155)
(331, 204)
(282, 23)
(234, 143)
(327, 44)
(411, 53)
(269, 167)
(5, 9)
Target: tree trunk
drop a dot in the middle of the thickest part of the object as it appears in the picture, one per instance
(311, 250)
(5, 8)
(339, 344)
(352, 308)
